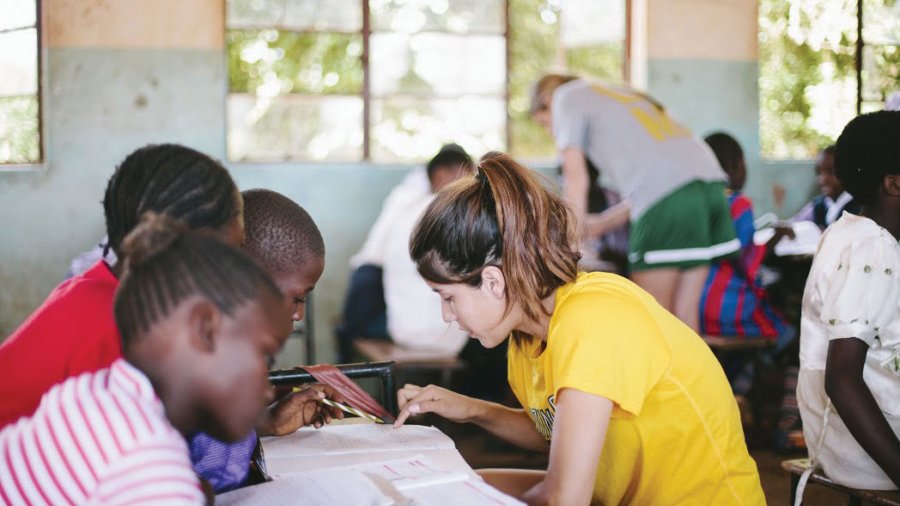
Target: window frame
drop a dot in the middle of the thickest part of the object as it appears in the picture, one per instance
(39, 35)
(366, 31)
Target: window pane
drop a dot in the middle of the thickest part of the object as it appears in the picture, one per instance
(459, 16)
(294, 127)
(413, 129)
(592, 22)
(533, 46)
(19, 137)
(606, 61)
(18, 62)
(270, 63)
(807, 74)
(324, 15)
(881, 21)
(880, 72)
(17, 14)
(437, 64)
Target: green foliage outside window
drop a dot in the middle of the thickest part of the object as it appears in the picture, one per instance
(534, 49)
(808, 84)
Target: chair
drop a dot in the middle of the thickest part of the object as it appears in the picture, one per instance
(384, 371)
(854, 496)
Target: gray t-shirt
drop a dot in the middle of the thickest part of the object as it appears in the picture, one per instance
(639, 150)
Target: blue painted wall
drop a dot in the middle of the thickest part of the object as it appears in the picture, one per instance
(99, 105)
(711, 95)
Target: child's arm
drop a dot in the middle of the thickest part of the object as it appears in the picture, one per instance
(853, 400)
(298, 409)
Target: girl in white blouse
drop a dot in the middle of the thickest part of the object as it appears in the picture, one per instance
(849, 384)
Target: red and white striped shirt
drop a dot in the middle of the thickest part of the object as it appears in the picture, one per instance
(97, 438)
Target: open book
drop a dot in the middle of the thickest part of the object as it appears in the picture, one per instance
(367, 464)
(411, 481)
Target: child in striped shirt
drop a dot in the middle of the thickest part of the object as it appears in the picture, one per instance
(200, 322)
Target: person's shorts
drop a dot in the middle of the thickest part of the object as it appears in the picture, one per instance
(690, 227)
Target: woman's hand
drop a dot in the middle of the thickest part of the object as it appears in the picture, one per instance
(414, 400)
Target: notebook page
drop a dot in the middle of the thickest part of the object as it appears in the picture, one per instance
(319, 488)
(355, 438)
(472, 492)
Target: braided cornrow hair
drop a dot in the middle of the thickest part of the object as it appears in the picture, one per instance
(171, 179)
(165, 263)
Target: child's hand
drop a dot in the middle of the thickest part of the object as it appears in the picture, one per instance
(293, 411)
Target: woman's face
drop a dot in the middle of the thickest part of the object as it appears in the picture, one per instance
(479, 311)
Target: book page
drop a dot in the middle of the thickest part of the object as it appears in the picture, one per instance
(318, 488)
(472, 492)
(411, 473)
(355, 438)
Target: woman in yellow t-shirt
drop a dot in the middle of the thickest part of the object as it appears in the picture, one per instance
(629, 401)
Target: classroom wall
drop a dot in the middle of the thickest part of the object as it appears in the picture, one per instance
(702, 64)
(119, 74)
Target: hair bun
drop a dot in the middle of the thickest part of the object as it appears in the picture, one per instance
(153, 235)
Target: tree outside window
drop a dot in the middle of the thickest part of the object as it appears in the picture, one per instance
(821, 63)
(392, 80)
(20, 135)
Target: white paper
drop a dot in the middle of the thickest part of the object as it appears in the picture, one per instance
(317, 488)
(411, 473)
(471, 492)
(805, 243)
(357, 438)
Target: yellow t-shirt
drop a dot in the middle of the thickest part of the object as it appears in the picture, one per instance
(675, 435)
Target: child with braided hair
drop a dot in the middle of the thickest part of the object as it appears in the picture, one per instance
(200, 321)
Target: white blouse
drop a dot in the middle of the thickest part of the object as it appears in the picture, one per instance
(853, 291)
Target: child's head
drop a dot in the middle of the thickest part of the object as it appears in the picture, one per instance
(731, 157)
(178, 181)
(542, 97)
(825, 175)
(283, 238)
(867, 159)
(451, 163)
(203, 322)
(503, 226)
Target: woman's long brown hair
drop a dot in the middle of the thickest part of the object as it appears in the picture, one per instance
(502, 216)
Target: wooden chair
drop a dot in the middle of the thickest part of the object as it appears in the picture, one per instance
(855, 497)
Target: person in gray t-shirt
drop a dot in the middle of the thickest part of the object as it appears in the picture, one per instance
(672, 184)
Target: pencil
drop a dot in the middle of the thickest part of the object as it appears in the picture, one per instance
(347, 409)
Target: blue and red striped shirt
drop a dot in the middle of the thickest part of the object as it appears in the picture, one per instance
(733, 301)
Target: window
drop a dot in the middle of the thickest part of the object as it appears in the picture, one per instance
(821, 63)
(392, 80)
(20, 132)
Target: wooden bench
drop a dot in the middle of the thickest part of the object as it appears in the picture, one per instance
(722, 345)
(855, 497)
(410, 360)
